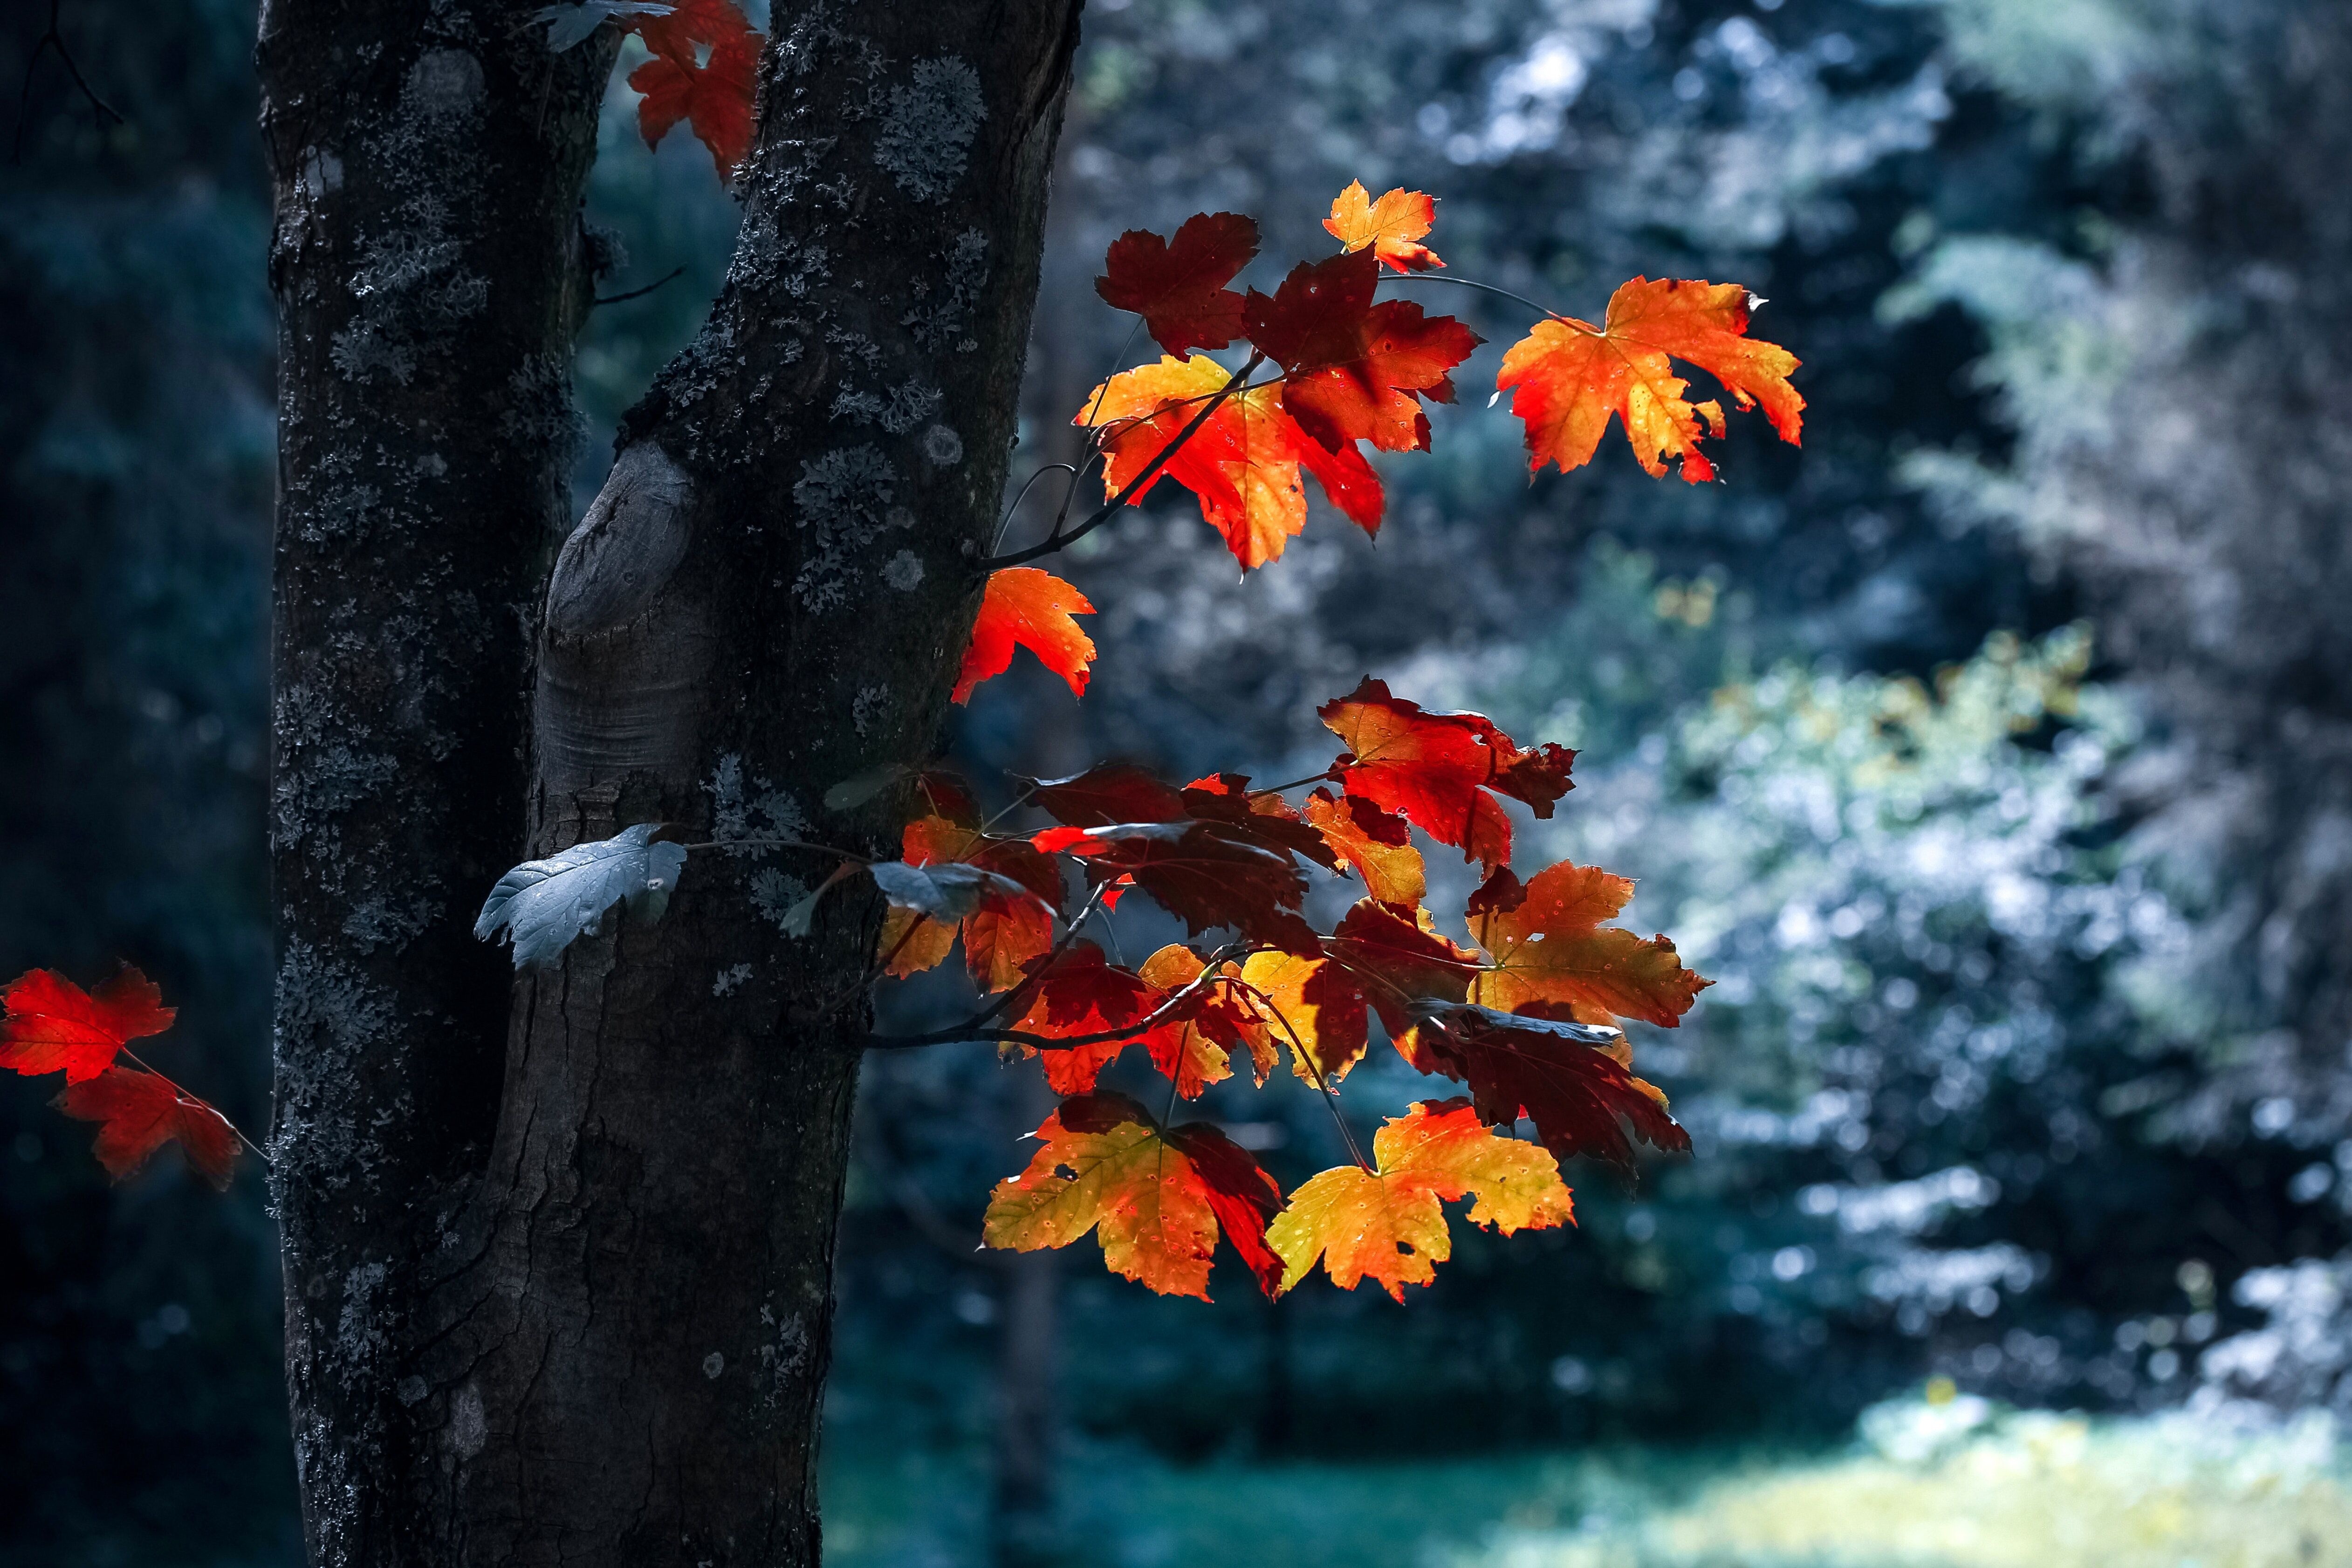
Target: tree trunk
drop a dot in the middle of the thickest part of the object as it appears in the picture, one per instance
(623, 1353)
(426, 259)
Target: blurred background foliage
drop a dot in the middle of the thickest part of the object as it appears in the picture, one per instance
(1992, 752)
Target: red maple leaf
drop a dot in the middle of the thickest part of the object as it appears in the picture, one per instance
(1030, 607)
(1352, 368)
(138, 1113)
(1569, 1079)
(54, 1025)
(1179, 287)
(1398, 963)
(1441, 770)
(1109, 792)
(704, 71)
(1079, 992)
(1200, 872)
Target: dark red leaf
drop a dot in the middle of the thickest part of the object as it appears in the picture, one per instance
(1179, 287)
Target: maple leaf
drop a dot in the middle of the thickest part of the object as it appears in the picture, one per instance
(1179, 287)
(1353, 369)
(1107, 793)
(1548, 946)
(54, 1025)
(1567, 377)
(138, 1113)
(1399, 962)
(1201, 873)
(1267, 820)
(1243, 463)
(1315, 1007)
(1194, 1049)
(1389, 1226)
(1391, 227)
(1079, 992)
(1002, 935)
(714, 96)
(1376, 842)
(1571, 1079)
(913, 943)
(1440, 770)
(1157, 1199)
(1032, 607)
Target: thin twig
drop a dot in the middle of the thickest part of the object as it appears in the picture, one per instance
(101, 110)
(1277, 788)
(1022, 493)
(1544, 310)
(675, 274)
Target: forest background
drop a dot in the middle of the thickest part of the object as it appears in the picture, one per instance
(1993, 753)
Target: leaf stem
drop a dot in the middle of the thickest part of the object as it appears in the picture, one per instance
(1300, 1053)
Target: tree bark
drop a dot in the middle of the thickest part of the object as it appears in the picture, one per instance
(427, 165)
(769, 596)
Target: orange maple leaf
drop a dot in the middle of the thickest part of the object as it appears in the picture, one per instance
(1002, 935)
(1442, 770)
(1375, 842)
(714, 94)
(1312, 1005)
(1391, 227)
(1567, 377)
(1032, 607)
(138, 1113)
(52, 1025)
(1243, 463)
(1548, 946)
(1388, 1225)
(1194, 1050)
(1179, 287)
(1156, 1199)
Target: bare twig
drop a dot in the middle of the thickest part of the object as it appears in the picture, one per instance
(100, 110)
(675, 274)
(1544, 310)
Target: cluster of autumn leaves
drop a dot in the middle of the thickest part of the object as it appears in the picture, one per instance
(1350, 371)
(1524, 1020)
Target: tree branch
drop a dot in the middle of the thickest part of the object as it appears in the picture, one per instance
(51, 38)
